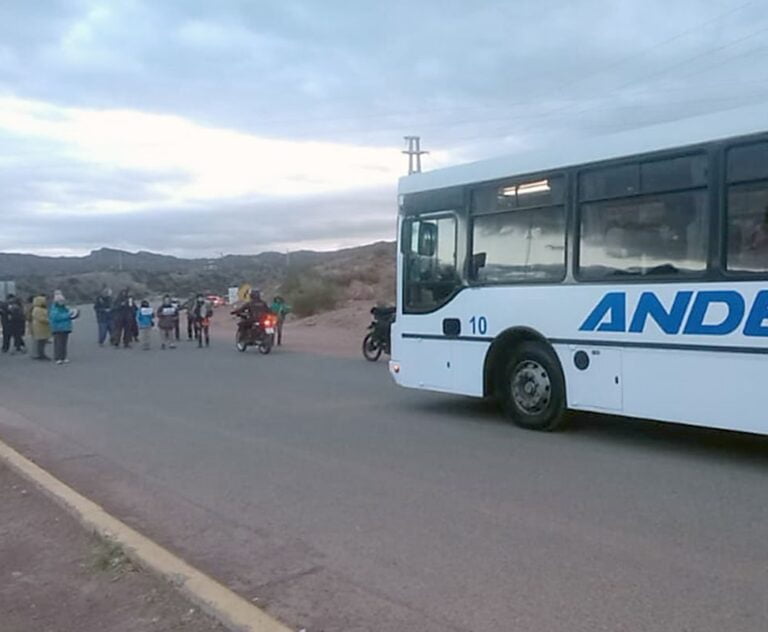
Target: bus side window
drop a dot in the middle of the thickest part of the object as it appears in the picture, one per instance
(747, 213)
(748, 229)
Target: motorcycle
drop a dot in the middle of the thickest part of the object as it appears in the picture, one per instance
(260, 333)
(377, 340)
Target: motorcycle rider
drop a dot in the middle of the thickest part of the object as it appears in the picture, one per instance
(252, 311)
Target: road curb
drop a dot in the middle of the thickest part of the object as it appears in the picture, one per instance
(214, 598)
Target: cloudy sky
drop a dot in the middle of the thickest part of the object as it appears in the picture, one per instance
(196, 127)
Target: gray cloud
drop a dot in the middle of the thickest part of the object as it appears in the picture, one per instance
(33, 173)
(474, 78)
(338, 68)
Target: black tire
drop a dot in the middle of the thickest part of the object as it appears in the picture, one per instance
(240, 343)
(532, 389)
(265, 347)
(371, 348)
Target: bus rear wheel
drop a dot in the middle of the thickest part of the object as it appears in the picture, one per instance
(532, 390)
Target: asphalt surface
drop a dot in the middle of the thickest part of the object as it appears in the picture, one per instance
(317, 488)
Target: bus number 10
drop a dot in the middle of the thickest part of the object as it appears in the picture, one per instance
(479, 325)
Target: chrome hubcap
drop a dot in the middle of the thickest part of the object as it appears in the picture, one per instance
(531, 387)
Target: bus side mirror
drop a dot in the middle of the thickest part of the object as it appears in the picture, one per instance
(405, 237)
(478, 262)
(427, 239)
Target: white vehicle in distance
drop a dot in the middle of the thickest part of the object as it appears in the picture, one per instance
(627, 275)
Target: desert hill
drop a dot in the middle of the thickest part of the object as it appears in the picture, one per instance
(311, 281)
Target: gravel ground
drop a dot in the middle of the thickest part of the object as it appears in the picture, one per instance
(55, 577)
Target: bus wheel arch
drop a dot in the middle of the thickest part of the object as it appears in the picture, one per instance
(523, 354)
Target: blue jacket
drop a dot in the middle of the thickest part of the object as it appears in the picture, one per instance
(145, 317)
(60, 318)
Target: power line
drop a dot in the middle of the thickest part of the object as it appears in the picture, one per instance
(729, 59)
(633, 82)
(552, 77)
(548, 117)
(565, 105)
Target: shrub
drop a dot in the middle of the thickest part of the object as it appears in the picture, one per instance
(308, 296)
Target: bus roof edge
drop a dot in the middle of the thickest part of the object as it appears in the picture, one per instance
(670, 134)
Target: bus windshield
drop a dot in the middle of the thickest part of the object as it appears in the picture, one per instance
(430, 255)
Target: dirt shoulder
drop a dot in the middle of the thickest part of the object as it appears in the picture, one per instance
(56, 577)
(338, 333)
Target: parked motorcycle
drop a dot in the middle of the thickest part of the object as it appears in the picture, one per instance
(377, 340)
(259, 334)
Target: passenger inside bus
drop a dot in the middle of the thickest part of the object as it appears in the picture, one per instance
(758, 240)
(657, 235)
(748, 230)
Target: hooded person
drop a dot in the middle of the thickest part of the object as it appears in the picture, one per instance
(60, 317)
(122, 317)
(14, 324)
(133, 312)
(145, 319)
(103, 308)
(202, 311)
(40, 327)
(167, 317)
(18, 321)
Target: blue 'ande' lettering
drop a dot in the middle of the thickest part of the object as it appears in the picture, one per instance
(610, 314)
(756, 322)
(732, 300)
(613, 303)
(670, 321)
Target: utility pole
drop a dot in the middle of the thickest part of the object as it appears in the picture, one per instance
(414, 153)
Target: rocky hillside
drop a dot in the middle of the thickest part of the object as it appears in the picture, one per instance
(311, 281)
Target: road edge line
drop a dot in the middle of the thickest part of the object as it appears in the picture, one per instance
(227, 607)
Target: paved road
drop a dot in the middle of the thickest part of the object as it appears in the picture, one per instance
(318, 489)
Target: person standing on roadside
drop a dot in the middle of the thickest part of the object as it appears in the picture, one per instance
(133, 313)
(5, 324)
(121, 327)
(14, 324)
(17, 322)
(103, 308)
(176, 303)
(60, 317)
(189, 307)
(167, 317)
(28, 316)
(280, 309)
(40, 326)
(145, 318)
(202, 311)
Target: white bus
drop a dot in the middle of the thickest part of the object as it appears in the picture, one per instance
(628, 276)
